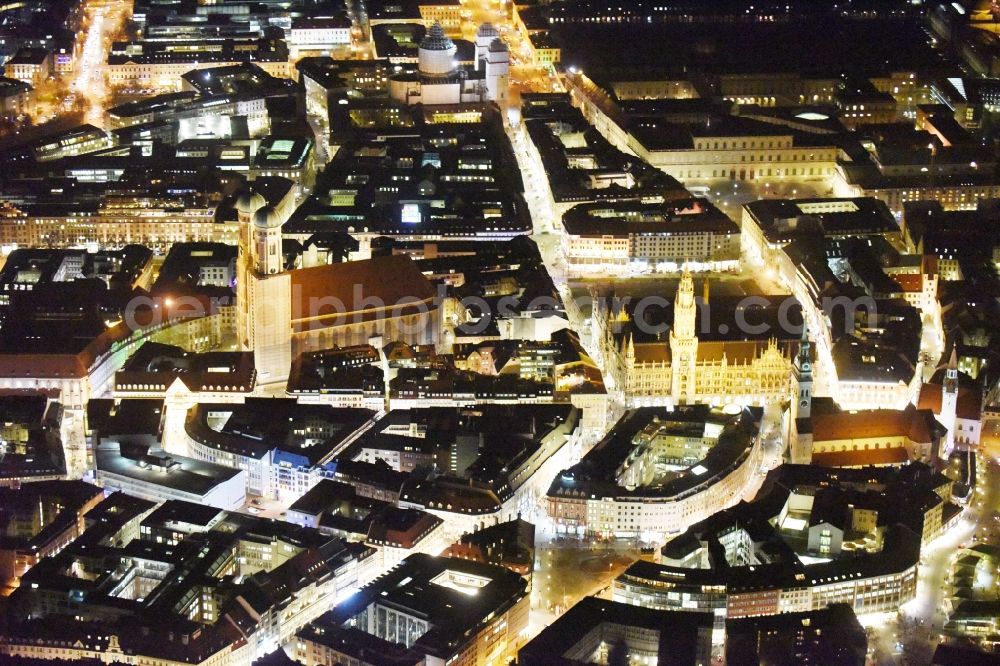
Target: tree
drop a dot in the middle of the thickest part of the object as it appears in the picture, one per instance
(618, 654)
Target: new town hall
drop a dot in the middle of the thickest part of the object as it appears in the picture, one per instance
(724, 351)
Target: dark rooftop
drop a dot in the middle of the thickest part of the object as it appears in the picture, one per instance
(682, 635)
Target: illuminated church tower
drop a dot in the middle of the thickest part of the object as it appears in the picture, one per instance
(493, 57)
(949, 399)
(263, 289)
(800, 437)
(684, 342)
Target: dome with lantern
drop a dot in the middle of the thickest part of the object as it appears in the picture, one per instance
(487, 30)
(437, 52)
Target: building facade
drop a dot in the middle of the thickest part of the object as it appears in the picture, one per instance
(685, 369)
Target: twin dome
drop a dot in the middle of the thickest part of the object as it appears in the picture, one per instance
(267, 218)
(254, 205)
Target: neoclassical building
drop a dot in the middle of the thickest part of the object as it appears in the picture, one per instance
(704, 358)
(439, 79)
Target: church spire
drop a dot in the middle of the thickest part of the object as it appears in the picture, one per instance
(951, 372)
(805, 347)
(802, 378)
(684, 343)
(685, 309)
(800, 435)
(949, 399)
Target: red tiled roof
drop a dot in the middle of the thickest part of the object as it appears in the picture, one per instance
(354, 291)
(909, 422)
(43, 366)
(67, 365)
(657, 352)
(909, 282)
(893, 456)
(969, 404)
(740, 352)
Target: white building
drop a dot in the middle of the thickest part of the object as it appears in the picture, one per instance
(441, 80)
(956, 404)
(672, 469)
(319, 33)
(158, 476)
(281, 445)
(29, 65)
(648, 237)
(90, 372)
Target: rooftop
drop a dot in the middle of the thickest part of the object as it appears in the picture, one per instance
(435, 39)
(160, 469)
(245, 51)
(730, 436)
(28, 56)
(863, 361)
(901, 496)
(365, 289)
(781, 219)
(305, 433)
(916, 424)
(680, 635)
(456, 597)
(157, 365)
(832, 633)
(636, 218)
(46, 508)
